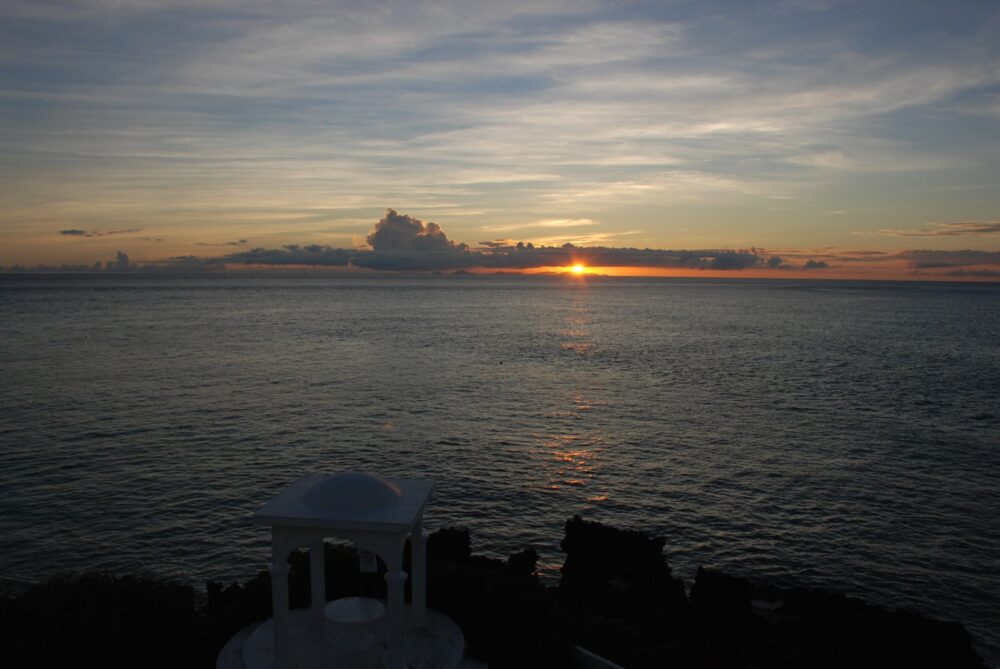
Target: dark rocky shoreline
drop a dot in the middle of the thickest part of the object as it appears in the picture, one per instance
(616, 597)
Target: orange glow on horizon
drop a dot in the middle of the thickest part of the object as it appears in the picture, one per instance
(889, 271)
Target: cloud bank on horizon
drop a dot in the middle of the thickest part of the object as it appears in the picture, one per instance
(400, 242)
(667, 124)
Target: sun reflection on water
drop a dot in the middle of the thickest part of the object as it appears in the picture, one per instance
(572, 459)
(572, 448)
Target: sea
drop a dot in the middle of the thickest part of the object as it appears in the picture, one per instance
(833, 434)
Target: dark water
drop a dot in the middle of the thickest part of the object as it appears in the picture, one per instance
(844, 435)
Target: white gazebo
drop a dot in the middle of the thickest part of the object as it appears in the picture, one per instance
(376, 514)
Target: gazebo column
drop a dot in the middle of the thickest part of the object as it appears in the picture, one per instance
(317, 579)
(395, 615)
(374, 513)
(418, 544)
(279, 602)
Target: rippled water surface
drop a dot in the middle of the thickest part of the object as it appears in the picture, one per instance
(833, 434)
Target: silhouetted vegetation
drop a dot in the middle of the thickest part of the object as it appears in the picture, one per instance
(617, 597)
(98, 620)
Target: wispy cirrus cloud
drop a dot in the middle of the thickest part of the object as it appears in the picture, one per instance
(953, 229)
(586, 238)
(546, 223)
(491, 113)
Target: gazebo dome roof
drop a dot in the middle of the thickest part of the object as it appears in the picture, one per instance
(355, 492)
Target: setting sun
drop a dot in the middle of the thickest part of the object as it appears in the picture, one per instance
(577, 269)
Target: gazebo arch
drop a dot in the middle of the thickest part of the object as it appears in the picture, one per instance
(374, 513)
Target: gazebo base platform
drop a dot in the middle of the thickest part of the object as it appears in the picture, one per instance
(438, 645)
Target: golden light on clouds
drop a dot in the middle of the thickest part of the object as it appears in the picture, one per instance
(742, 142)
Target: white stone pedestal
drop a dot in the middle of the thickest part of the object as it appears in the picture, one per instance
(437, 645)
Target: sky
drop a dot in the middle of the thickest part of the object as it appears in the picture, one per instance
(812, 137)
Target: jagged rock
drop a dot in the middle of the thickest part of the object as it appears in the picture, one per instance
(449, 543)
(616, 597)
(624, 569)
(507, 616)
(523, 563)
(739, 624)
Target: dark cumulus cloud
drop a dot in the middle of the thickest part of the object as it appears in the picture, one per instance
(976, 273)
(939, 259)
(73, 232)
(293, 254)
(816, 264)
(402, 242)
(399, 232)
(121, 263)
(238, 242)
